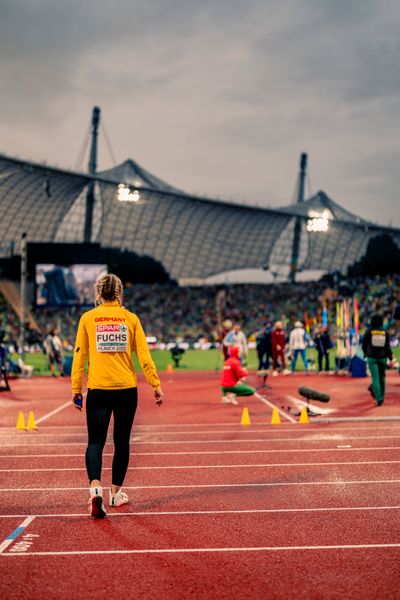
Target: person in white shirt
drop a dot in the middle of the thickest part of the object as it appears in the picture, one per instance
(237, 338)
(298, 343)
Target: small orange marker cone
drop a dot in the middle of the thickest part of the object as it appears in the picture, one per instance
(304, 416)
(245, 417)
(31, 421)
(275, 419)
(170, 369)
(21, 421)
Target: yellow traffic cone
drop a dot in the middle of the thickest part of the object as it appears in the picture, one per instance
(304, 416)
(21, 421)
(245, 417)
(31, 421)
(276, 419)
(170, 369)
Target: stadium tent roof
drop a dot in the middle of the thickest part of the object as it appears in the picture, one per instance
(193, 237)
(131, 173)
(321, 202)
(34, 199)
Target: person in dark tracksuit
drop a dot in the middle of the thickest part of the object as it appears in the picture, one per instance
(323, 344)
(264, 346)
(376, 348)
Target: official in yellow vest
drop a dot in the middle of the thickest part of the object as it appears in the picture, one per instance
(107, 336)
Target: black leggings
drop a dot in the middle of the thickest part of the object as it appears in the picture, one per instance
(100, 404)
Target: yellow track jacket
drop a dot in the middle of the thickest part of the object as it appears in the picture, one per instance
(108, 334)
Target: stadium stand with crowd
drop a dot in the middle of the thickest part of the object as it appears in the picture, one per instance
(169, 312)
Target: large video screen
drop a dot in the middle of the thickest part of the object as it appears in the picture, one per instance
(66, 286)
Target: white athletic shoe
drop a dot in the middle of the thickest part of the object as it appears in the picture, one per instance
(232, 399)
(96, 504)
(229, 399)
(118, 499)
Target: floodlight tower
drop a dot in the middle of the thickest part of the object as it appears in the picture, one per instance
(92, 170)
(23, 285)
(298, 221)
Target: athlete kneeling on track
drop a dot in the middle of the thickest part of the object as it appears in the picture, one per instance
(107, 335)
(232, 379)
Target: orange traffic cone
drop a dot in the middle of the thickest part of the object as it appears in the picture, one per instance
(170, 369)
(31, 421)
(21, 421)
(275, 419)
(245, 417)
(304, 416)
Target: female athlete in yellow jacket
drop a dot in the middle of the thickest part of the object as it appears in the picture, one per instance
(108, 335)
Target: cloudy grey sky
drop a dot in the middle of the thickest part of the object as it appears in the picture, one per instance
(217, 97)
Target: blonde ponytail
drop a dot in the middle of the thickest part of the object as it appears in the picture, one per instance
(109, 288)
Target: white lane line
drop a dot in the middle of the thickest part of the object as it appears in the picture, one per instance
(216, 485)
(220, 466)
(323, 436)
(180, 513)
(145, 434)
(211, 452)
(281, 412)
(53, 412)
(14, 534)
(10, 431)
(209, 550)
(376, 419)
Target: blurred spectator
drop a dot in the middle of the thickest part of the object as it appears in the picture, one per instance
(264, 346)
(235, 337)
(227, 327)
(298, 342)
(278, 340)
(177, 352)
(376, 348)
(240, 341)
(4, 364)
(323, 344)
(55, 352)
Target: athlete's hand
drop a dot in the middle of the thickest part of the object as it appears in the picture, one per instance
(77, 400)
(159, 396)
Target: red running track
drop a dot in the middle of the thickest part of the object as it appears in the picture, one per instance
(217, 510)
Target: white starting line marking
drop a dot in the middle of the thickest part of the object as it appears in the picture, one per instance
(221, 466)
(211, 512)
(54, 412)
(281, 412)
(339, 482)
(209, 550)
(345, 448)
(14, 534)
